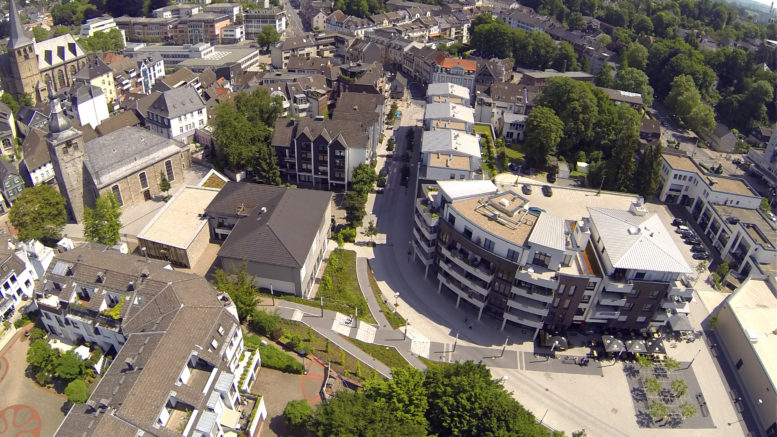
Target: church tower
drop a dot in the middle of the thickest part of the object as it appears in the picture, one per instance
(23, 61)
(66, 148)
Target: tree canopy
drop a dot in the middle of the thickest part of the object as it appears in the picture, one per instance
(102, 224)
(268, 36)
(77, 391)
(110, 41)
(543, 133)
(445, 399)
(241, 289)
(39, 213)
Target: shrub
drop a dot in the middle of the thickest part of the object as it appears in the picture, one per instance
(297, 414)
(24, 320)
(348, 234)
(77, 391)
(263, 322)
(295, 343)
(252, 341)
(274, 358)
(36, 334)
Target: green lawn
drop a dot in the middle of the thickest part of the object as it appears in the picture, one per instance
(513, 153)
(385, 354)
(394, 319)
(483, 130)
(344, 293)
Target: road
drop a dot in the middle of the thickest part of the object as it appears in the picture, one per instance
(294, 24)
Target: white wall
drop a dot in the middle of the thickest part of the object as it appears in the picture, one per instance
(93, 111)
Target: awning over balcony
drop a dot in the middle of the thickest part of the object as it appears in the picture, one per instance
(612, 344)
(680, 323)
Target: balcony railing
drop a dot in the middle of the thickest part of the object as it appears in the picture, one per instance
(472, 264)
(523, 318)
(537, 275)
(612, 300)
(473, 297)
(465, 277)
(619, 287)
(429, 231)
(529, 306)
(607, 315)
(532, 292)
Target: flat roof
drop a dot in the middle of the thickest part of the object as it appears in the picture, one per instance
(455, 190)
(721, 183)
(220, 56)
(180, 220)
(441, 160)
(767, 235)
(754, 305)
(517, 230)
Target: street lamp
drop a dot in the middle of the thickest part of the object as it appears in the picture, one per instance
(272, 295)
(404, 337)
(396, 301)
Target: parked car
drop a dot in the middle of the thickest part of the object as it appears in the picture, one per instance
(698, 248)
(526, 188)
(701, 255)
(688, 234)
(678, 222)
(772, 217)
(551, 177)
(513, 167)
(547, 191)
(692, 241)
(681, 229)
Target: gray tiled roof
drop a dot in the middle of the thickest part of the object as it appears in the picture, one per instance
(36, 152)
(177, 102)
(351, 133)
(118, 154)
(283, 234)
(93, 69)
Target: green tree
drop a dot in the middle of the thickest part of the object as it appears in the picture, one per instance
(103, 41)
(566, 58)
(576, 21)
(60, 30)
(371, 231)
(764, 206)
(39, 213)
(658, 410)
(268, 36)
(404, 395)
(604, 78)
(687, 410)
(363, 178)
(69, 365)
(263, 322)
(8, 99)
(341, 360)
(679, 387)
(671, 364)
(635, 81)
(266, 168)
(543, 133)
(102, 224)
(40, 33)
(41, 358)
(297, 415)
(621, 166)
(164, 184)
(652, 385)
(577, 107)
(635, 56)
(643, 25)
(77, 391)
(241, 289)
(684, 100)
(353, 204)
(723, 269)
(354, 414)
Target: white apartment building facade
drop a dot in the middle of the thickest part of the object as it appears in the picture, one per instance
(100, 24)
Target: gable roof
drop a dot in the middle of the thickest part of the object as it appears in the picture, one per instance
(177, 102)
(116, 122)
(278, 225)
(93, 69)
(36, 152)
(637, 242)
(57, 50)
(7, 169)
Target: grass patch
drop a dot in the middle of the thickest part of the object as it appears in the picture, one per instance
(275, 358)
(343, 293)
(483, 130)
(385, 354)
(394, 319)
(513, 154)
(428, 362)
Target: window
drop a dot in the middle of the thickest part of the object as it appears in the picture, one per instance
(143, 180)
(586, 298)
(488, 245)
(566, 303)
(117, 191)
(647, 307)
(541, 259)
(467, 232)
(572, 290)
(556, 301)
(641, 319)
(740, 363)
(169, 170)
(512, 255)
(654, 294)
(639, 276)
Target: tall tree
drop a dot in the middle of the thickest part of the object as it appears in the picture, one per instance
(635, 56)
(297, 415)
(354, 414)
(635, 81)
(404, 395)
(240, 287)
(648, 172)
(575, 104)
(543, 133)
(77, 391)
(69, 365)
(604, 78)
(102, 224)
(39, 213)
(685, 101)
(268, 36)
(621, 166)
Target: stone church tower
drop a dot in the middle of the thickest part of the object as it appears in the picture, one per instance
(66, 148)
(23, 61)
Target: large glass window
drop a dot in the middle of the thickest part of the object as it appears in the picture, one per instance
(143, 180)
(169, 170)
(541, 259)
(117, 191)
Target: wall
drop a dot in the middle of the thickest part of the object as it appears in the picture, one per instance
(283, 279)
(131, 191)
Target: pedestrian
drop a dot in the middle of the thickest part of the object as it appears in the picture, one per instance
(465, 319)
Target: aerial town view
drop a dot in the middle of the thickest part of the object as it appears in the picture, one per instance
(388, 218)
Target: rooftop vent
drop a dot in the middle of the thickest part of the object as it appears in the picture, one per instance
(633, 230)
(263, 210)
(130, 362)
(504, 202)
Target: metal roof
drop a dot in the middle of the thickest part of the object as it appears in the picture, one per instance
(548, 232)
(450, 141)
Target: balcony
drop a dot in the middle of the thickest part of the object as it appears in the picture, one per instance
(529, 306)
(539, 294)
(537, 275)
(612, 300)
(430, 232)
(678, 289)
(530, 320)
(464, 277)
(676, 304)
(606, 315)
(428, 214)
(462, 291)
(472, 265)
(619, 287)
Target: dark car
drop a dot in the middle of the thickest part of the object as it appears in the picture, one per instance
(551, 177)
(526, 188)
(701, 255)
(547, 191)
(688, 234)
(697, 248)
(692, 241)
(678, 222)
(513, 167)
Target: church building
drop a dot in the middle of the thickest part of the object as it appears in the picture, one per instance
(29, 66)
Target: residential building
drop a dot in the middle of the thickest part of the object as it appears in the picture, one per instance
(505, 106)
(722, 139)
(248, 219)
(11, 183)
(366, 108)
(176, 113)
(650, 130)
(17, 279)
(29, 66)
(551, 262)
(448, 116)
(233, 10)
(320, 153)
(7, 131)
(450, 154)
(634, 100)
(150, 68)
(727, 210)
(98, 73)
(36, 167)
(339, 22)
(233, 34)
(181, 377)
(745, 334)
(147, 29)
(302, 45)
(178, 11)
(540, 78)
(28, 118)
(99, 24)
(765, 161)
(493, 71)
(455, 70)
(87, 104)
(419, 63)
(441, 92)
(255, 19)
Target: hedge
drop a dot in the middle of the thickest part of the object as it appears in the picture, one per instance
(274, 358)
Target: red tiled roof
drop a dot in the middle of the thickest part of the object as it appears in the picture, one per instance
(446, 62)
